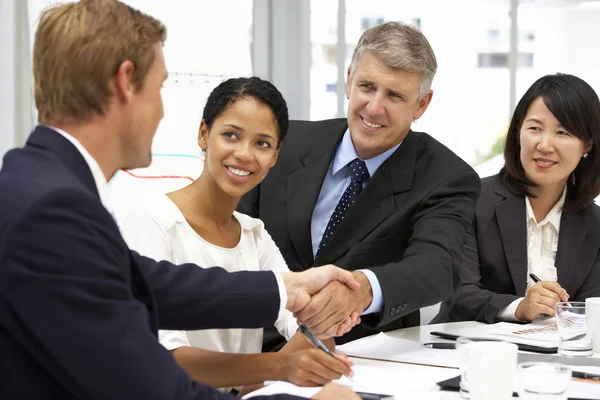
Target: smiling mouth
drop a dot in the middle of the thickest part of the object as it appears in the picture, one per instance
(369, 124)
(238, 172)
(544, 162)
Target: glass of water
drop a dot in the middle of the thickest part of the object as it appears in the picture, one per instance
(543, 381)
(576, 333)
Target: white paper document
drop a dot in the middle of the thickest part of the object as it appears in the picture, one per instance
(384, 347)
(372, 379)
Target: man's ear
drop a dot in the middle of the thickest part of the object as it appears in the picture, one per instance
(123, 83)
(348, 84)
(423, 104)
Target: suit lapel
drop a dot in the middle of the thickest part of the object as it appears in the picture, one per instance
(510, 215)
(376, 202)
(304, 186)
(570, 240)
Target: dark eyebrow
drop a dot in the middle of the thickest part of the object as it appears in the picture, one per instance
(235, 127)
(541, 123)
(534, 120)
(265, 135)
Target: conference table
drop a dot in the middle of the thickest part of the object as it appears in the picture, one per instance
(427, 376)
(407, 381)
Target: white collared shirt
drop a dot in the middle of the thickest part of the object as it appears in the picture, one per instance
(542, 243)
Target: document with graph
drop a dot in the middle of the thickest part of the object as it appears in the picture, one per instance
(540, 336)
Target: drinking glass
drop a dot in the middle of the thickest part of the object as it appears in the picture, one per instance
(543, 381)
(576, 334)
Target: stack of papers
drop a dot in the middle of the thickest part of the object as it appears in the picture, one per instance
(384, 347)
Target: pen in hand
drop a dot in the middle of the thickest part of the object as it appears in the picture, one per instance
(534, 278)
(440, 345)
(312, 339)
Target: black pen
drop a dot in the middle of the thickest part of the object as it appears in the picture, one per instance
(585, 375)
(441, 346)
(535, 279)
(312, 339)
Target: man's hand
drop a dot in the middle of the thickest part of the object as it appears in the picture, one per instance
(541, 299)
(333, 391)
(301, 286)
(336, 309)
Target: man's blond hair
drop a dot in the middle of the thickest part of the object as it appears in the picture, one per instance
(78, 48)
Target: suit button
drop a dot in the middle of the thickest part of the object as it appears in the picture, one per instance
(403, 307)
(392, 312)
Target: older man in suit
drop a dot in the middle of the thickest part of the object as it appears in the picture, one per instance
(79, 311)
(371, 195)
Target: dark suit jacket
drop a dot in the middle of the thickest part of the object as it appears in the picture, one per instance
(495, 267)
(79, 311)
(408, 225)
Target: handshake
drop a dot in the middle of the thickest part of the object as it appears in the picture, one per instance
(327, 299)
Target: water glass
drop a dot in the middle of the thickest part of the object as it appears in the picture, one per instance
(543, 381)
(575, 325)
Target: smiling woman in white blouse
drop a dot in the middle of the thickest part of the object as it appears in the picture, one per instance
(537, 216)
(243, 126)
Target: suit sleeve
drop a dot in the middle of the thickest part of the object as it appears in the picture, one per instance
(270, 259)
(429, 270)
(471, 302)
(66, 296)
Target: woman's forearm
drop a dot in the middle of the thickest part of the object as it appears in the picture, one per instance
(298, 342)
(229, 369)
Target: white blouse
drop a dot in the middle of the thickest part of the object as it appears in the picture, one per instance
(542, 243)
(158, 229)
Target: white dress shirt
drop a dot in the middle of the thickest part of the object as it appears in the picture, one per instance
(158, 229)
(542, 242)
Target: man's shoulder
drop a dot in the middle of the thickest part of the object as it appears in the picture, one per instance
(32, 179)
(300, 129)
(437, 157)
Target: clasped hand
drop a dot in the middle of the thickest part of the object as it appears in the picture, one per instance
(335, 306)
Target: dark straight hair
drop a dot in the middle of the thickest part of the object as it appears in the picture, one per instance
(231, 90)
(576, 106)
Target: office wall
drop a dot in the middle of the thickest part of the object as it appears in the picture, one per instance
(16, 113)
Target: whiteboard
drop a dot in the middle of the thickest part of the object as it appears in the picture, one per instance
(207, 42)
